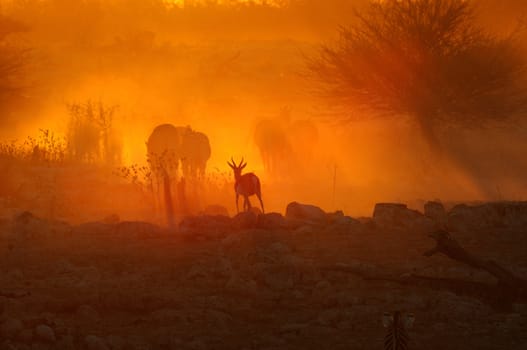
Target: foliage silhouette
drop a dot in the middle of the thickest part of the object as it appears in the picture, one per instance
(426, 59)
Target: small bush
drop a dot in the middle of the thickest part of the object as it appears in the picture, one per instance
(91, 135)
(45, 148)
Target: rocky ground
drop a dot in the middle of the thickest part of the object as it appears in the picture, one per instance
(306, 280)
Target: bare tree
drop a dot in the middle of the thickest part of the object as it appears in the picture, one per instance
(13, 60)
(427, 60)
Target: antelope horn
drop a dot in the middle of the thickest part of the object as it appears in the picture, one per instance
(239, 165)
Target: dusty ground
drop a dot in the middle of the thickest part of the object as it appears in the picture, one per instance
(73, 288)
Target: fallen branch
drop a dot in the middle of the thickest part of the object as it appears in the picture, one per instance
(448, 246)
(508, 289)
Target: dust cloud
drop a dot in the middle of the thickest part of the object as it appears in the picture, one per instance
(235, 72)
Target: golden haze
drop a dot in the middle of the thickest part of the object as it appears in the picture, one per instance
(222, 71)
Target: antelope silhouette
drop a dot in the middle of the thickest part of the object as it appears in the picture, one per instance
(245, 185)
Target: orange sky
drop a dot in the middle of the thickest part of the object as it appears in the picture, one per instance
(222, 77)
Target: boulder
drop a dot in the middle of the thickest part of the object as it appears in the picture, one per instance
(27, 225)
(45, 333)
(344, 225)
(197, 271)
(488, 215)
(214, 210)
(111, 219)
(115, 342)
(335, 216)
(66, 342)
(94, 228)
(398, 216)
(93, 342)
(208, 225)
(277, 278)
(87, 314)
(10, 328)
(435, 211)
(137, 229)
(271, 221)
(305, 212)
(245, 220)
(256, 210)
(241, 286)
(25, 336)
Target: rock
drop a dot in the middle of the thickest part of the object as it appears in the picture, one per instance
(206, 225)
(256, 210)
(245, 220)
(25, 218)
(166, 316)
(115, 342)
(344, 225)
(271, 221)
(232, 242)
(393, 214)
(111, 219)
(329, 317)
(223, 268)
(138, 229)
(346, 220)
(66, 343)
(197, 271)
(278, 249)
(10, 328)
(305, 212)
(25, 336)
(242, 286)
(435, 211)
(27, 225)
(278, 280)
(218, 319)
(398, 216)
(322, 290)
(45, 333)
(93, 228)
(8, 346)
(197, 344)
(93, 342)
(293, 327)
(90, 276)
(64, 267)
(304, 230)
(488, 215)
(332, 217)
(88, 314)
(215, 210)
(15, 274)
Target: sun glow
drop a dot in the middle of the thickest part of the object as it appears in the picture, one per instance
(192, 3)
